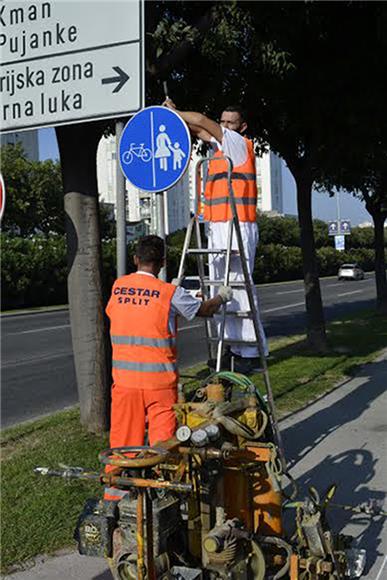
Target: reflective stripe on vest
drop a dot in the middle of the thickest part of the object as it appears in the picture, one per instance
(238, 201)
(216, 203)
(234, 175)
(144, 341)
(144, 347)
(144, 367)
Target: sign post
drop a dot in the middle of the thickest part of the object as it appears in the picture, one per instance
(120, 209)
(2, 196)
(63, 62)
(154, 152)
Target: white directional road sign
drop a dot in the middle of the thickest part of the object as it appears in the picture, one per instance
(67, 61)
(340, 243)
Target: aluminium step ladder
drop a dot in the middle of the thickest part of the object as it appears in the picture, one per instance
(215, 343)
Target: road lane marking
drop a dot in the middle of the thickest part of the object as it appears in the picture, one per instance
(192, 326)
(68, 325)
(39, 329)
(36, 359)
(381, 569)
(291, 291)
(349, 293)
(283, 307)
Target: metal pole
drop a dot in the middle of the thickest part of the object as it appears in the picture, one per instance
(161, 226)
(338, 210)
(140, 536)
(120, 207)
(166, 216)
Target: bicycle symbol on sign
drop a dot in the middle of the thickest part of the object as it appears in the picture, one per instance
(139, 151)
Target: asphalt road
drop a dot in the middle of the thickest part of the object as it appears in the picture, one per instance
(38, 375)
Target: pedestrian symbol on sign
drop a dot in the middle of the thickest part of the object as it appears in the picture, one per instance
(155, 149)
(164, 146)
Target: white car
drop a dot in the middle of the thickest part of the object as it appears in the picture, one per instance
(350, 272)
(192, 284)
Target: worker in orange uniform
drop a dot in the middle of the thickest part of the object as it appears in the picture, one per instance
(143, 312)
(227, 138)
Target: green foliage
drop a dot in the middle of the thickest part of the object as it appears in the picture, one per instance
(275, 263)
(34, 271)
(168, 33)
(34, 191)
(39, 514)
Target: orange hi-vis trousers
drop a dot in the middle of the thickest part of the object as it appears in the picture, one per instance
(130, 408)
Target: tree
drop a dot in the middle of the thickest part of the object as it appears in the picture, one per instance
(296, 70)
(366, 177)
(85, 290)
(34, 194)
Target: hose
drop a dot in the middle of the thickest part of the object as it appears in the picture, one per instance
(237, 379)
(235, 427)
(279, 543)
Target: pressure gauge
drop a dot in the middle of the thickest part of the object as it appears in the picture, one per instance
(183, 433)
(213, 432)
(199, 438)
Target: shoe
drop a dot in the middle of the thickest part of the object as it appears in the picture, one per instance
(247, 366)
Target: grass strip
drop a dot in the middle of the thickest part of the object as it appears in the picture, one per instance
(39, 514)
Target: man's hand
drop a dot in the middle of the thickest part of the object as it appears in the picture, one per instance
(176, 281)
(169, 104)
(225, 293)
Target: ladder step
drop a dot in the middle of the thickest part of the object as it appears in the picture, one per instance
(210, 251)
(234, 341)
(240, 313)
(233, 284)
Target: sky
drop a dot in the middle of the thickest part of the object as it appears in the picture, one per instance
(323, 206)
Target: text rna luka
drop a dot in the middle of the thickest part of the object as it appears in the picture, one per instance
(44, 105)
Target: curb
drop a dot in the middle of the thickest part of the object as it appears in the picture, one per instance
(381, 355)
(43, 310)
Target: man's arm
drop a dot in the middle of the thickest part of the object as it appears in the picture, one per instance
(189, 307)
(200, 133)
(198, 122)
(209, 307)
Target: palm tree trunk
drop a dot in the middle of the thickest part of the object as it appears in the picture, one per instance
(78, 148)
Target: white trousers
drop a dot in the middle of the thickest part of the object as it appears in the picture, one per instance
(236, 328)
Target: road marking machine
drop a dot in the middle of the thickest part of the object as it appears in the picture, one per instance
(209, 503)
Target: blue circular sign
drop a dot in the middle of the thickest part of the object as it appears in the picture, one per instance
(155, 149)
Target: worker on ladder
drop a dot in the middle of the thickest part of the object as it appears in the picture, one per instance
(227, 137)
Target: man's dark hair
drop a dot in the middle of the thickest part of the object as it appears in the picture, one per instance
(236, 109)
(150, 250)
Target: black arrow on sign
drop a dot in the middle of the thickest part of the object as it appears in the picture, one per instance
(121, 79)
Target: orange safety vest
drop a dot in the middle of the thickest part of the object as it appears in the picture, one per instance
(144, 349)
(216, 197)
